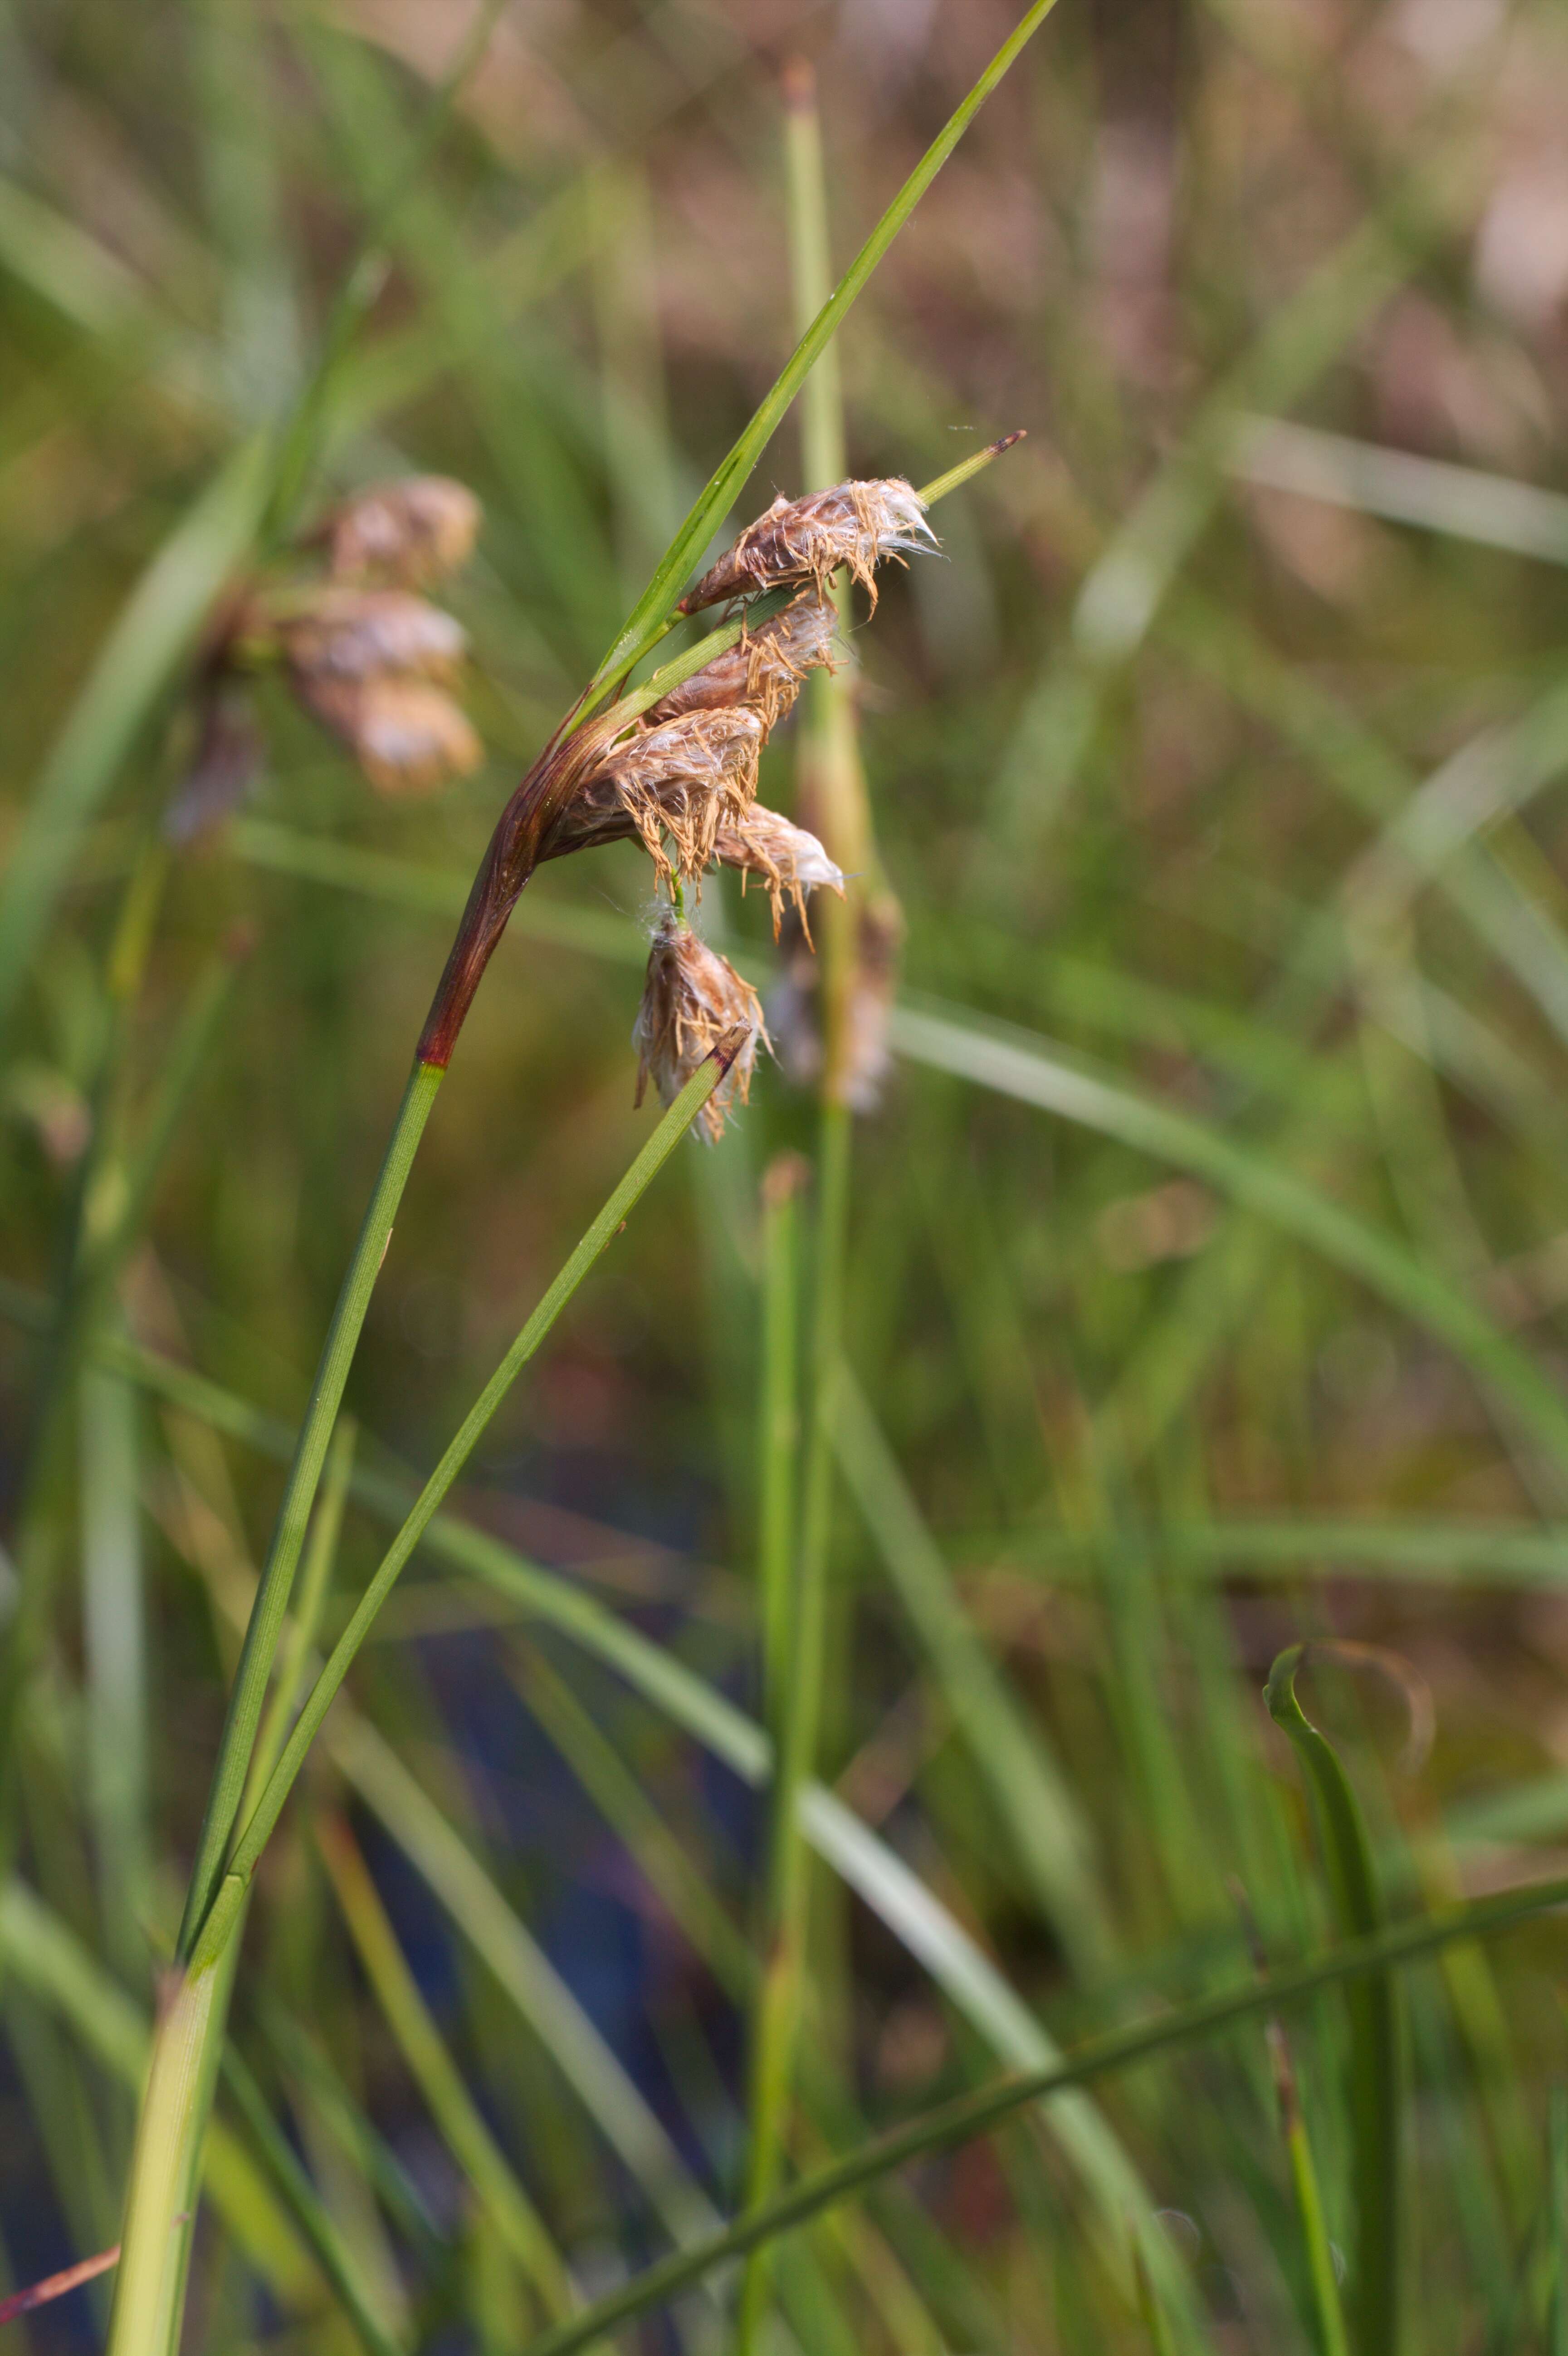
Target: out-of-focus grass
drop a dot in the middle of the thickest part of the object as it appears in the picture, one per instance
(1207, 1260)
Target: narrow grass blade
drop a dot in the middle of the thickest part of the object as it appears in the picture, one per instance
(491, 1927)
(973, 2114)
(456, 2115)
(997, 1056)
(915, 1916)
(1050, 1837)
(621, 1800)
(1557, 2224)
(299, 2195)
(1377, 2030)
(1403, 487)
(1322, 2280)
(264, 1631)
(114, 1643)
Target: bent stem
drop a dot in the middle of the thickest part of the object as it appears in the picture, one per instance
(149, 2290)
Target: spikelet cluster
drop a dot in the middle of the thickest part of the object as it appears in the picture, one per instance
(684, 778)
(363, 653)
(766, 670)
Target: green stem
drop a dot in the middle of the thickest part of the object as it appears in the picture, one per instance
(320, 1555)
(149, 2282)
(778, 1436)
(266, 1625)
(776, 2026)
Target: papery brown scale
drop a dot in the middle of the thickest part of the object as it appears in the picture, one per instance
(764, 669)
(856, 525)
(673, 786)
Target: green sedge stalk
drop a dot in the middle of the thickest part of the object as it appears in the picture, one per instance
(795, 1612)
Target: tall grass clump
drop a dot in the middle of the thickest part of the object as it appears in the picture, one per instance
(961, 1748)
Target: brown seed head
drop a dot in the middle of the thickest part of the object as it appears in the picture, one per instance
(360, 632)
(765, 669)
(406, 735)
(411, 531)
(673, 785)
(790, 862)
(692, 1000)
(853, 524)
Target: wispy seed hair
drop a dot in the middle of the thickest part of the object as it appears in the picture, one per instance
(692, 1000)
(858, 525)
(790, 862)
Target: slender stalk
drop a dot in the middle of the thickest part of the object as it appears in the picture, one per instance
(216, 1929)
(264, 1632)
(778, 1435)
(456, 2115)
(320, 1556)
(794, 1623)
(148, 2285)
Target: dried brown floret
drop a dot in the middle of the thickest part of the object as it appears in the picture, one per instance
(692, 1000)
(765, 669)
(410, 531)
(790, 861)
(673, 785)
(339, 633)
(406, 735)
(852, 524)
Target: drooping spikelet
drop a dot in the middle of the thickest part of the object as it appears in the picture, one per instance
(674, 786)
(410, 531)
(790, 862)
(765, 669)
(408, 736)
(693, 1001)
(854, 524)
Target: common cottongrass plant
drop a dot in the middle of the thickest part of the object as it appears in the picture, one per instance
(606, 772)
